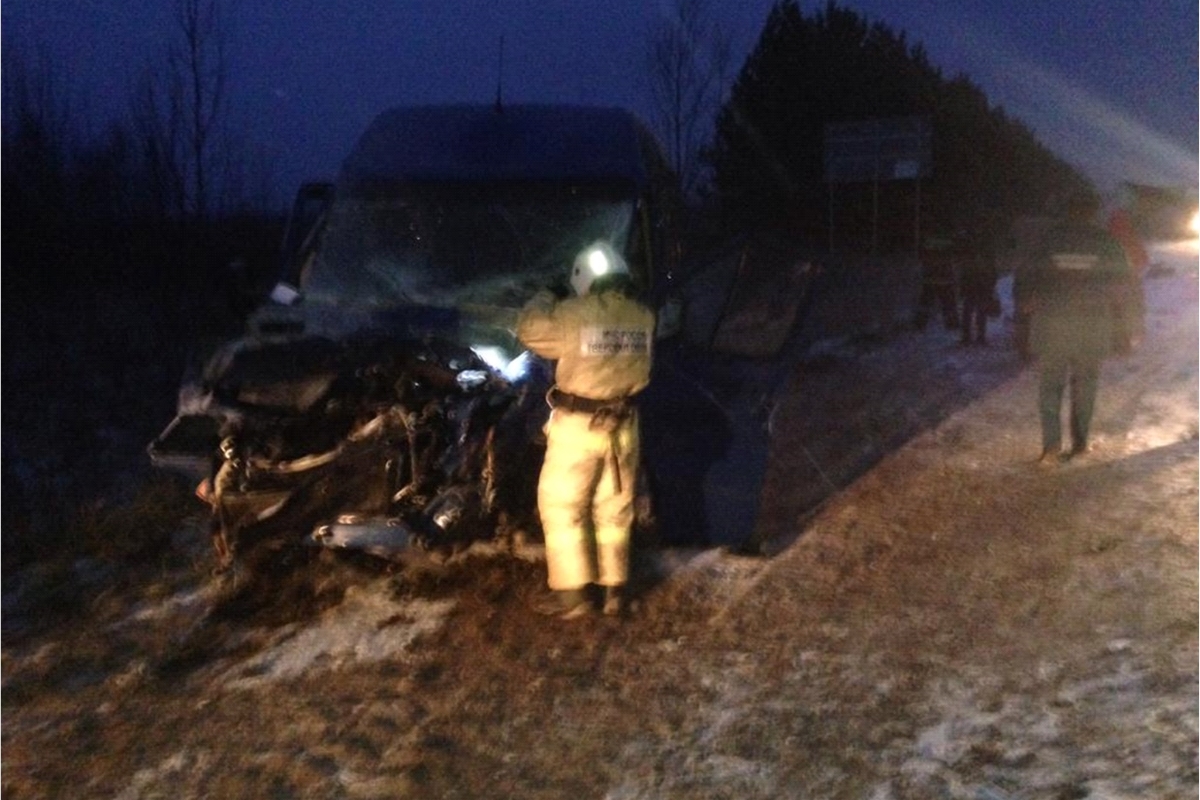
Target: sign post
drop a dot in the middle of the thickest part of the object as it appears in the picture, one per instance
(875, 150)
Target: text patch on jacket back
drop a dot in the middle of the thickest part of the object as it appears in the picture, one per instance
(598, 340)
(1075, 262)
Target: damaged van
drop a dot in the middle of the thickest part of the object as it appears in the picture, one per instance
(378, 400)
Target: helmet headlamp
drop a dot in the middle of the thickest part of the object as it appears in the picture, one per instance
(595, 261)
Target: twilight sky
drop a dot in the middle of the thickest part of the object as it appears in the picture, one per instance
(1109, 86)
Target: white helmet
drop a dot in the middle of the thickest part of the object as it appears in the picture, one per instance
(595, 261)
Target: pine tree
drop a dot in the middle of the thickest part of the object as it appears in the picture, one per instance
(837, 66)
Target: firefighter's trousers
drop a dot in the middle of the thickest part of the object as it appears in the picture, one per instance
(586, 499)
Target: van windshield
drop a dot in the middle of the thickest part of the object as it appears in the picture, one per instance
(397, 244)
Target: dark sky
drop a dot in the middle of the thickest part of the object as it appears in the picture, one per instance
(1110, 86)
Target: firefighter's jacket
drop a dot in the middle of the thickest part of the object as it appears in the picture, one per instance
(601, 341)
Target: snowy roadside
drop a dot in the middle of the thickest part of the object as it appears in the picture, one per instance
(1051, 617)
(1003, 428)
(951, 623)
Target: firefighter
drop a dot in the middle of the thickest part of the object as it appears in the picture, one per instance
(601, 339)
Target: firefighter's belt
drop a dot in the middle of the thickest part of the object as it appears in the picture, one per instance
(607, 416)
(617, 406)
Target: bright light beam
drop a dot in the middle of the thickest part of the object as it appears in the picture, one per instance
(1104, 141)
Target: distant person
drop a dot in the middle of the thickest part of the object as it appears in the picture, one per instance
(1130, 323)
(938, 259)
(601, 341)
(1068, 288)
(977, 286)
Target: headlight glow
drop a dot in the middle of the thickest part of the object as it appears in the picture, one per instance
(502, 363)
(471, 379)
(519, 368)
(494, 357)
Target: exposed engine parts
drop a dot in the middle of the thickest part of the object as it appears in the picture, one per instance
(405, 446)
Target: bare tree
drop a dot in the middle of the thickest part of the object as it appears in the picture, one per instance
(159, 140)
(38, 129)
(689, 57)
(179, 113)
(202, 61)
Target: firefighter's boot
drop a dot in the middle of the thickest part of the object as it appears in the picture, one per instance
(615, 604)
(565, 604)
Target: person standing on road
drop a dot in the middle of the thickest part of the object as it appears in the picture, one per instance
(601, 339)
(1131, 308)
(1069, 289)
(977, 285)
(938, 259)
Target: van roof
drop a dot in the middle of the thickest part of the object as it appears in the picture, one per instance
(482, 143)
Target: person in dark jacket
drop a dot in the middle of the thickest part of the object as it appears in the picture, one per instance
(1069, 289)
(977, 286)
(939, 269)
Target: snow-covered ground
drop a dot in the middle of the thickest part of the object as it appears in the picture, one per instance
(951, 622)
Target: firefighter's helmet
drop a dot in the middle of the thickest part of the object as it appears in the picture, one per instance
(595, 261)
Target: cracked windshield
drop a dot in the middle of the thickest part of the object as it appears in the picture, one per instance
(421, 246)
